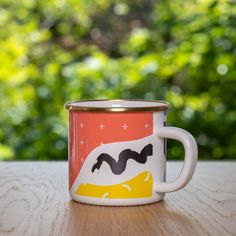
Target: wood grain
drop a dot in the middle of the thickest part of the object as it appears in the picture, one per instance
(34, 200)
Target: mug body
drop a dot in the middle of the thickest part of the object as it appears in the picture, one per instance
(115, 156)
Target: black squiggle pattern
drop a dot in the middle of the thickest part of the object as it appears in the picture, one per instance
(118, 167)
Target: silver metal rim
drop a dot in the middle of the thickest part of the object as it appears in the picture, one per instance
(162, 106)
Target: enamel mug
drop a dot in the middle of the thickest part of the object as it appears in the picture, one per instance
(117, 152)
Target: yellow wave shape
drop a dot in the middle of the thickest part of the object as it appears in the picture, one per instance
(138, 187)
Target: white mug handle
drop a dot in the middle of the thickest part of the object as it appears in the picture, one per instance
(190, 159)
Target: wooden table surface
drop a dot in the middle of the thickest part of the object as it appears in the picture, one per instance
(34, 200)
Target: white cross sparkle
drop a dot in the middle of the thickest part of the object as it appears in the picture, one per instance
(125, 126)
(82, 142)
(146, 126)
(81, 125)
(101, 126)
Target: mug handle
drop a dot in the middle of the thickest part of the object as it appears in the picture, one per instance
(190, 158)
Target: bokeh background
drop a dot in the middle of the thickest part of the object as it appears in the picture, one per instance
(59, 50)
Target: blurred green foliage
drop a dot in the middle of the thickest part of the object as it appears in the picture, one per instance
(58, 50)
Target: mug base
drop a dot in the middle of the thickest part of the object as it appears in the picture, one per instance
(117, 202)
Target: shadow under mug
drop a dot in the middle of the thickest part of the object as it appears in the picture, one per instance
(117, 152)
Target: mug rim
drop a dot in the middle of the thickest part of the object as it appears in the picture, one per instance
(159, 105)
